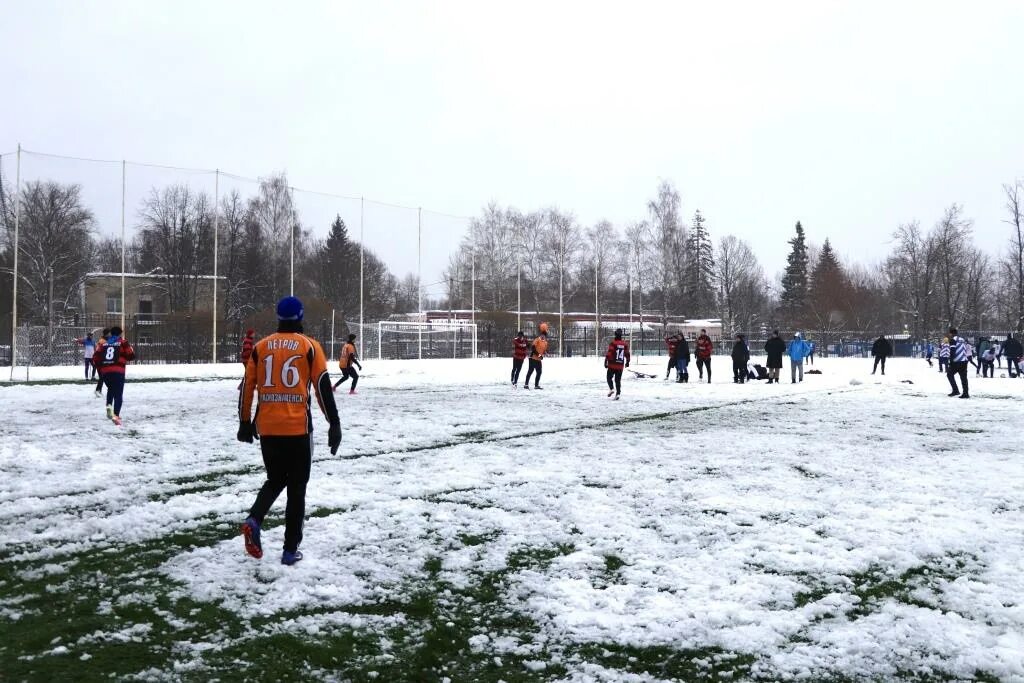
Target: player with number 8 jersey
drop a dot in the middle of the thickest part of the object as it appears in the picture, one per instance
(280, 371)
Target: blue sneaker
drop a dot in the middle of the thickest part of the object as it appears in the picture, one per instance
(251, 533)
(291, 558)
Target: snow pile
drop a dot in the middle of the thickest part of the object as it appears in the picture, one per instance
(826, 528)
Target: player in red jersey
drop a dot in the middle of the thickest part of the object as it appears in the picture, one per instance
(670, 343)
(520, 349)
(111, 358)
(616, 358)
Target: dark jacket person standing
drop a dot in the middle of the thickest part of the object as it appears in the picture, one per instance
(881, 350)
(280, 371)
(682, 360)
(740, 357)
(776, 349)
(1013, 350)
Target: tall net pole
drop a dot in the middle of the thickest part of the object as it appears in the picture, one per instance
(17, 225)
(419, 275)
(216, 231)
(561, 273)
(472, 274)
(629, 284)
(519, 296)
(597, 316)
(360, 277)
(472, 289)
(291, 247)
(124, 187)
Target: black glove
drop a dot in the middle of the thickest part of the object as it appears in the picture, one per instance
(246, 432)
(334, 437)
(360, 366)
(627, 363)
(606, 362)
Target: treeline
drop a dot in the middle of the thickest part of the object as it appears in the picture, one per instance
(174, 240)
(666, 263)
(674, 267)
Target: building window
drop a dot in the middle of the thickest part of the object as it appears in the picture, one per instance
(113, 302)
(145, 307)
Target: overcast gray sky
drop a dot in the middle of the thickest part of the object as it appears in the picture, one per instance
(849, 116)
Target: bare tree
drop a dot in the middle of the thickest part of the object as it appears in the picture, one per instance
(176, 236)
(977, 286)
(240, 294)
(951, 239)
(911, 273)
(602, 240)
(273, 225)
(741, 283)
(668, 238)
(106, 255)
(563, 247)
(637, 249)
(54, 246)
(1014, 258)
(528, 241)
(493, 235)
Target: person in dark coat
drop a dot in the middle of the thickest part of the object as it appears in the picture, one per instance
(881, 350)
(682, 360)
(1013, 350)
(775, 348)
(740, 357)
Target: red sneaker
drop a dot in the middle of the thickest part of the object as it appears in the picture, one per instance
(251, 533)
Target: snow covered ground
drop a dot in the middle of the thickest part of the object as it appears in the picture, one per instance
(829, 529)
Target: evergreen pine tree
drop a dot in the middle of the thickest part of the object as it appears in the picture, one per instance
(830, 295)
(700, 272)
(827, 276)
(794, 281)
(339, 267)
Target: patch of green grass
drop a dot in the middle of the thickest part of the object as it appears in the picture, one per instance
(475, 435)
(613, 563)
(704, 664)
(477, 539)
(806, 472)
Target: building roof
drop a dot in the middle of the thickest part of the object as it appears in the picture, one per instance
(150, 276)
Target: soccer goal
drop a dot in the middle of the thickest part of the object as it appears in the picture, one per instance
(399, 339)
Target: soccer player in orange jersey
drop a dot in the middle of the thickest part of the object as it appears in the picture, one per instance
(537, 350)
(280, 371)
(346, 362)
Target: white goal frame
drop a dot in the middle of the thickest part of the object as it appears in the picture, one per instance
(430, 327)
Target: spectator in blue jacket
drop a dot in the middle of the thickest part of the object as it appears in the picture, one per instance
(798, 350)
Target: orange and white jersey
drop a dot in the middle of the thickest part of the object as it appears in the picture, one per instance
(280, 371)
(348, 354)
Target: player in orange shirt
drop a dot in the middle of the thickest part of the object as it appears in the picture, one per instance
(345, 363)
(280, 371)
(537, 350)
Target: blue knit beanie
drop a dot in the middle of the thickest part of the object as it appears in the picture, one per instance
(289, 308)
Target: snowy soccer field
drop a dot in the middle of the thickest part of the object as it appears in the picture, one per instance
(466, 532)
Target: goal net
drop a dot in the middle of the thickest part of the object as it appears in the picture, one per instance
(41, 345)
(398, 340)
